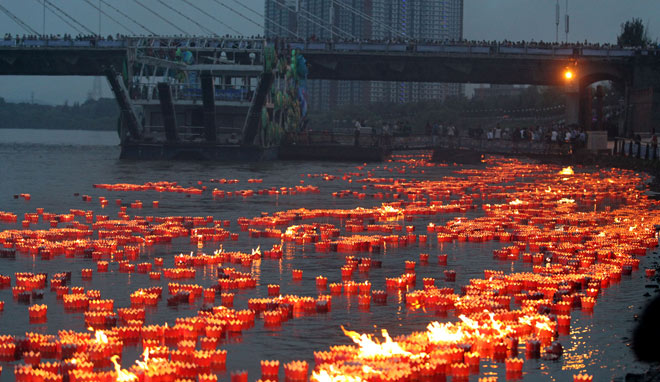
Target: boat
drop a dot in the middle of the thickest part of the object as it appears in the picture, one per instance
(198, 99)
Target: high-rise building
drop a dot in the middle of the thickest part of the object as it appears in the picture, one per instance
(281, 18)
(431, 20)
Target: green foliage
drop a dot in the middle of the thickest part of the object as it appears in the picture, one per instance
(633, 33)
(90, 115)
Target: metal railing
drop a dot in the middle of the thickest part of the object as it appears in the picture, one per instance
(494, 146)
(257, 44)
(160, 42)
(191, 92)
(636, 149)
(479, 49)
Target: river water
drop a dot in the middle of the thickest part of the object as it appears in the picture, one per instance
(53, 165)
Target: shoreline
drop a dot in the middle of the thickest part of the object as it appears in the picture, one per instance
(652, 168)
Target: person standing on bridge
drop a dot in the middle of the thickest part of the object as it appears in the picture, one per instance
(358, 125)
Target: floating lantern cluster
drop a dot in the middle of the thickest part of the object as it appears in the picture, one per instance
(557, 222)
(155, 186)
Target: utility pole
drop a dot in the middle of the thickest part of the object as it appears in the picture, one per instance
(99, 18)
(567, 21)
(298, 17)
(97, 91)
(43, 23)
(332, 20)
(557, 22)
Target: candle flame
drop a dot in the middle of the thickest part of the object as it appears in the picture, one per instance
(373, 349)
(444, 333)
(122, 375)
(99, 336)
(566, 171)
(390, 209)
(333, 375)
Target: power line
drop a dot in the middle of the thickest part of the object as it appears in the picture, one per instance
(203, 28)
(212, 17)
(317, 23)
(240, 14)
(284, 6)
(108, 16)
(266, 18)
(162, 18)
(18, 21)
(367, 17)
(332, 27)
(67, 22)
(69, 16)
(128, 17)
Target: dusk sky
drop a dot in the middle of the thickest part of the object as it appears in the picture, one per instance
(592, 20)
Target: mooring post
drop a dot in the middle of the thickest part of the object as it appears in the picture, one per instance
(208, 98)
(167, 109)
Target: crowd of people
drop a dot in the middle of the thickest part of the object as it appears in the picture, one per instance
(558, 134)
(464, 42)
(227, 41)
(283, 41)
(61, 37)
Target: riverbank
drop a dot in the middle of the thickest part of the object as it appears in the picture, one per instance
(586, 158)
(93, 115)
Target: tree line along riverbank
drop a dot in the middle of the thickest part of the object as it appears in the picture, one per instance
(92, 114)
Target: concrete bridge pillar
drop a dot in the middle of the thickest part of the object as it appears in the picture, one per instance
(572, 115)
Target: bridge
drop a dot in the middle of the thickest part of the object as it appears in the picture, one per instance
(637, 70)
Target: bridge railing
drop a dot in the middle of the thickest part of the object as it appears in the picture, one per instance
(488, 49)
(338, 137)
(636, 149)
(256, 45)
(102, 44)
(199, 43)
(492, 146)
(163, 42)
(182, 92)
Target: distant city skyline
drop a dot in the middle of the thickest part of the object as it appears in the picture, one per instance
(591, 20)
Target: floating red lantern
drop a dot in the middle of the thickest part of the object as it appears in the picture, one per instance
(239, 376)
(273, 290)
(296, 371)
(270, 370)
